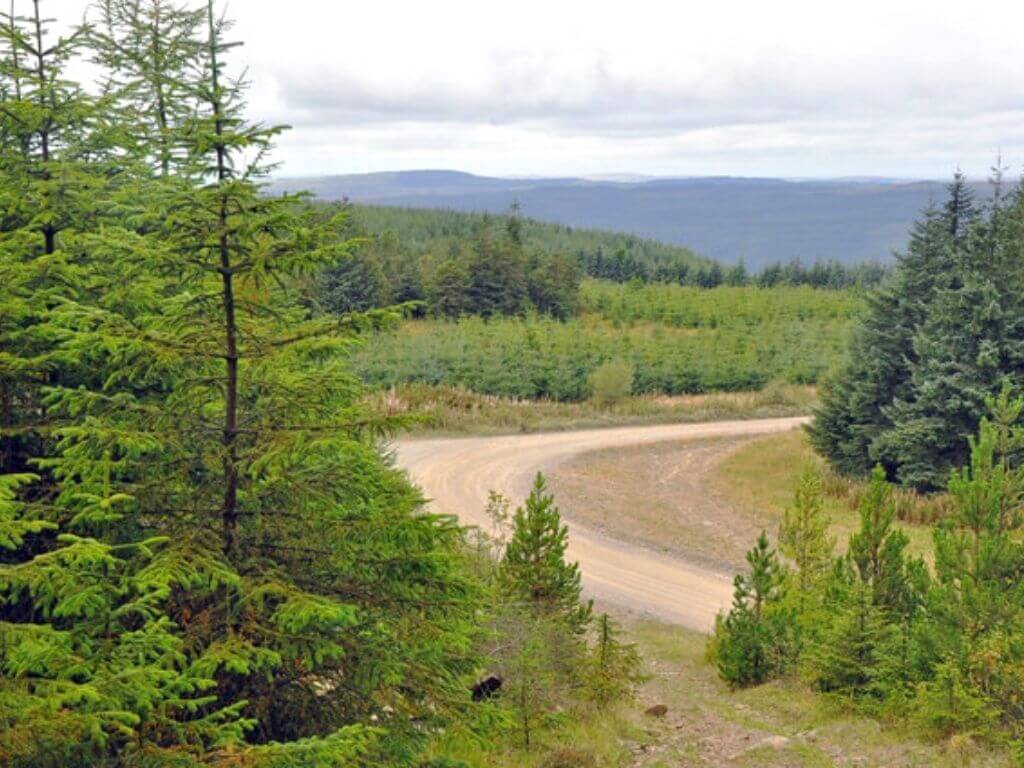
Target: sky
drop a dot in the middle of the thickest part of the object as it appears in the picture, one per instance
(897, 88)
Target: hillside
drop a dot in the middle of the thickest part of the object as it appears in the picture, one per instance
(760, 221)
(421, 228)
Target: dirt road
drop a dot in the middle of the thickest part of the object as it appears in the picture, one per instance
(457, 473)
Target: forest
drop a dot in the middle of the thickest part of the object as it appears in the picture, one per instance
(209, 555)
(927, 396)
(205, 559)
(456, 264)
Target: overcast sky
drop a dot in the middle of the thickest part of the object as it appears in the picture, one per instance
(902, 88)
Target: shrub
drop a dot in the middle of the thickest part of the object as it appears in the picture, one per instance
(612, 381)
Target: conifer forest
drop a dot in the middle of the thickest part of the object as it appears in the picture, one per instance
(289, 481)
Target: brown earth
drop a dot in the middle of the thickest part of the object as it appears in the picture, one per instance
(673, 585)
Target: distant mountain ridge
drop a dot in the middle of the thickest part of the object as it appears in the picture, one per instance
(758, 220)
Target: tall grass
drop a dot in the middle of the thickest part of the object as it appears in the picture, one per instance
(456, 410)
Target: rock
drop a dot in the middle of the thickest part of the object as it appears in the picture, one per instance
(769, 742)
(773, 742)
(658, 710)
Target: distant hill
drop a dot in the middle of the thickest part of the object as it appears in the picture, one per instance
(419, 229)
(761, 221)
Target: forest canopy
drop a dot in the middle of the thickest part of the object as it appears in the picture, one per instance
(456, 264)
(941, 337)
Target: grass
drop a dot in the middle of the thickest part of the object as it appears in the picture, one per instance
(760, 477)
(783, 724)
(445, 410)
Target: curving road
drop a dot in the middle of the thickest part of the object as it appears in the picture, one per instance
(457, 473)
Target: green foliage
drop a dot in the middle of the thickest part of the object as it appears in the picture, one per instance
(934, 344)
(489, 271)
(425, 230)
(534, 568)
(612, 671)
(211, 563)
(611, 381)
(753, 642)
(939, 648)
(803, 534)
(356, 284)
(678, 340)
(611, 256)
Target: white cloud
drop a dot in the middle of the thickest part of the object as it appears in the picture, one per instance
(894, 87)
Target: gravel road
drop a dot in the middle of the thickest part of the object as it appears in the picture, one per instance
(457, 473)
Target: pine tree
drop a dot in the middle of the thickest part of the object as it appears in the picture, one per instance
(803, 534)
(845, 656)
(534, 568)
(753, 642)
(877, 548)
(968, 639)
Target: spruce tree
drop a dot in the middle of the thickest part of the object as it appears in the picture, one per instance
(497, 274)
(933, 344)
(970, 342)
(612, 670)
(147, 49)
(49, 191)
(236, 576)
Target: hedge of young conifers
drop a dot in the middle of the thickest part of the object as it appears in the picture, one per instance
(679, 341)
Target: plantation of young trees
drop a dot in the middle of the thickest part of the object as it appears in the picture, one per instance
(679, 340)
(204, 559)
(932, 646)
(945, 333)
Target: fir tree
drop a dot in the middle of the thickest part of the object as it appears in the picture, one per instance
(612, 670)
(933, 344)
(497, 275)
(148, 49)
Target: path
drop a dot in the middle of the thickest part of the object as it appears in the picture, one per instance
(457, 473)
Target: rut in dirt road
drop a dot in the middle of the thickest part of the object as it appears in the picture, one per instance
(457, 473)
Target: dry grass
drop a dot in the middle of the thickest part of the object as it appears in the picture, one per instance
(783, 724)
(452, 410)
(760, 477)
(658, 496)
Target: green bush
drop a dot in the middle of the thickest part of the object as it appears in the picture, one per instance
(612, 381)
